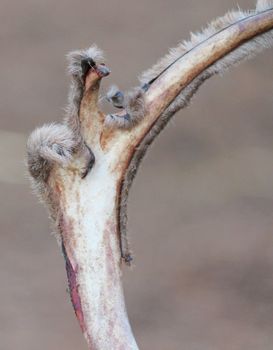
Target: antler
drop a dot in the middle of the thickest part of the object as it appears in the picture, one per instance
(83, 167)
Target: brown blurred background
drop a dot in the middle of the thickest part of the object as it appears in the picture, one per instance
(200, 212)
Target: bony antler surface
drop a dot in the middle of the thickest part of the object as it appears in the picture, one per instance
(84, 207)
(83, 167)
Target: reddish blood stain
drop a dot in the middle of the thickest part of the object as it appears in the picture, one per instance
(73, 289)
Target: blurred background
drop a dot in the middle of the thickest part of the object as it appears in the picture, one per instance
(200, 211)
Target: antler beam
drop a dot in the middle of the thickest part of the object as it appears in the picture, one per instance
(83, 168)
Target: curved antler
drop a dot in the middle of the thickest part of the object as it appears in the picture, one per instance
(83, 168)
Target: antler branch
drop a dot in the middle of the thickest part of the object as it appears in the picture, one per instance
(83, 168)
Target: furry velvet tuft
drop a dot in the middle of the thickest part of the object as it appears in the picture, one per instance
(75, 59)
(47, 145)
(115, 96)
(133, 103)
